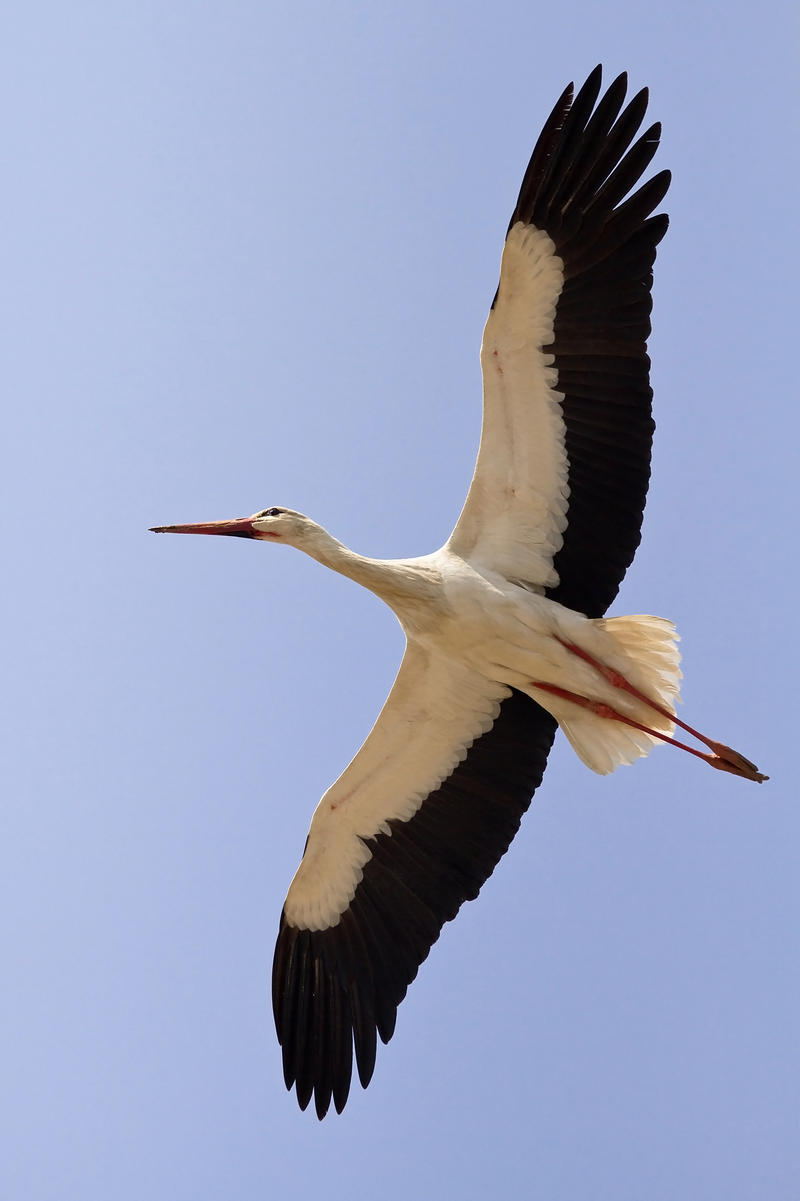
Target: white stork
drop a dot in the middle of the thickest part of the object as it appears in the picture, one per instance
(506, 638)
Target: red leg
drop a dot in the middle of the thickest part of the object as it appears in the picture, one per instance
(723, 757)
(603, 710)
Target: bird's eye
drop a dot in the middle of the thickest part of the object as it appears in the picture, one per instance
(270, 513)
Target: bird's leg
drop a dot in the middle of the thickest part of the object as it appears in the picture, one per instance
(724, 757)
(600, 709)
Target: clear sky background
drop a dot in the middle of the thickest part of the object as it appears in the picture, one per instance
(247, 254)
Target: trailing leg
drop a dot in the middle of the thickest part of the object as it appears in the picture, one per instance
(724, 758)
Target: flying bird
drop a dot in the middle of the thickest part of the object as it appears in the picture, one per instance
(505, 634)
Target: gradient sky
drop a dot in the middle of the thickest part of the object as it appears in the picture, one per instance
(248, 252)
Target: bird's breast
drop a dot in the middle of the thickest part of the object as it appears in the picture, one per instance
(491, 626)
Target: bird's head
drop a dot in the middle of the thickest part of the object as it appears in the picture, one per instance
(268, 525)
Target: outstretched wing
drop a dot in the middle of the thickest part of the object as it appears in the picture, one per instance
(410, 831)
(558, 493)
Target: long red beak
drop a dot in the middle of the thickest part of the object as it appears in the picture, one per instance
(241, 527)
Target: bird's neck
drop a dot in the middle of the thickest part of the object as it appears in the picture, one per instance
(402, 585)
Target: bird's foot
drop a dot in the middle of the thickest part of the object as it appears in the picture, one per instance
(726, 759)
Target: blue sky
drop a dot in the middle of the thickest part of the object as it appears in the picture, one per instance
(248, 254)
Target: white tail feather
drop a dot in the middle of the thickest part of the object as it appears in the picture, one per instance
(644, 650)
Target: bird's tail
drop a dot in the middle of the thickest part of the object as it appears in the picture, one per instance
(644, 651)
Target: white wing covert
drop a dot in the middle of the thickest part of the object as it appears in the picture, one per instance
(434, 712)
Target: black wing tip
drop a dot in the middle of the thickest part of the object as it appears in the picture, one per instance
(322, 1012)
(658, 226)
(564, 101)
(570, 146)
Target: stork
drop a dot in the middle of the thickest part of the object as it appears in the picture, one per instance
(505, 634)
